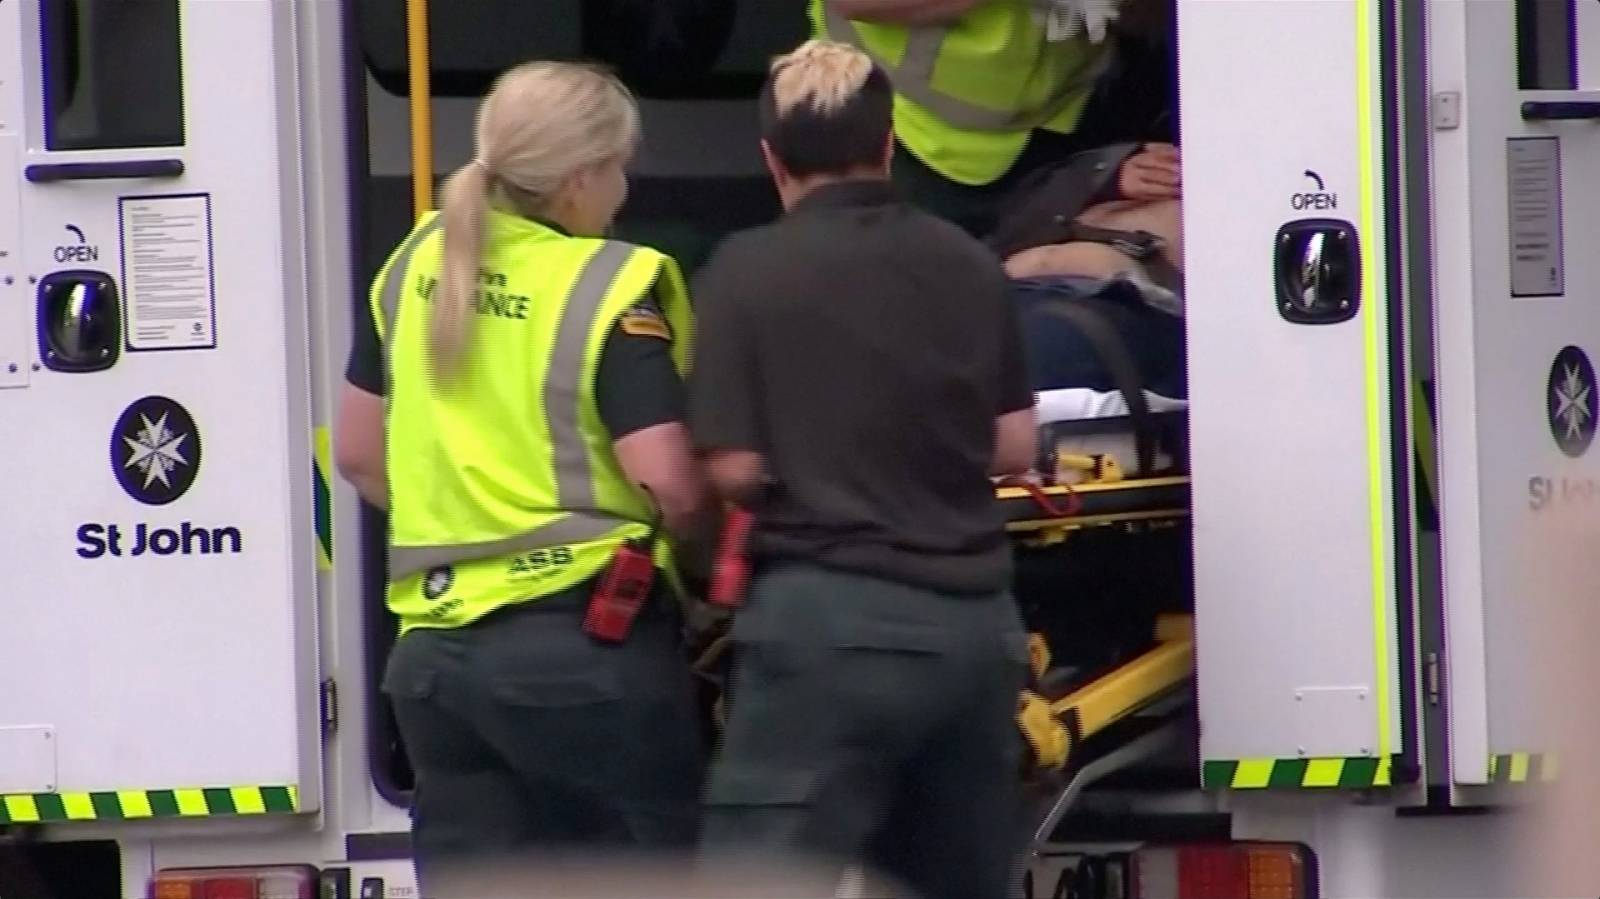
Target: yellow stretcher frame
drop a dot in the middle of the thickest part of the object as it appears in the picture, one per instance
(1130, 687)
(1168, 667)
(1114, 502)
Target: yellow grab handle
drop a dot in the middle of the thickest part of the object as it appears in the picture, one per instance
(418, 65)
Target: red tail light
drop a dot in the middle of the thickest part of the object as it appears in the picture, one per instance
(1224, 871)
(267, 882)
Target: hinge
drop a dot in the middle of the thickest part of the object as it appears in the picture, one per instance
(330, 707)
(1432, 674)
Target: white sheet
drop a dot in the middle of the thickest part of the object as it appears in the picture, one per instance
(1076, 404)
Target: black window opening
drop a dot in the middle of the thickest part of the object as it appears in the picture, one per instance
(663, 49)
(1547, 45)
(113, 74)
(723, 57)
(681, 216)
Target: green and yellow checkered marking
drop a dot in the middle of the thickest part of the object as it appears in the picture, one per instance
(127, 805)
(321, 464)
(1295, 774)
(1522, 768)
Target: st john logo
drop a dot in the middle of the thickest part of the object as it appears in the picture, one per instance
(155, 450)
(1570, 401)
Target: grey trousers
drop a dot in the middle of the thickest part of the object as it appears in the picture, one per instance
(525, 734)
(873, 722)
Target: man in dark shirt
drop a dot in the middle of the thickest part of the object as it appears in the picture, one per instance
(858, 378)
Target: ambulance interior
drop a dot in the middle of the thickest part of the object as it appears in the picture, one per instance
(1103, 549)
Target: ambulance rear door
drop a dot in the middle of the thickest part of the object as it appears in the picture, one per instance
(1517, 160)
(159, 628)
(1297, 359)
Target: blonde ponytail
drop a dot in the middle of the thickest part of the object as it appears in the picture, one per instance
(464, 209)
(542, 122)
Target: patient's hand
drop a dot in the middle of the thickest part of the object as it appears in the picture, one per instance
(1153, 173)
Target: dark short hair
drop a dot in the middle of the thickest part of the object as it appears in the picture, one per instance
(810, 139)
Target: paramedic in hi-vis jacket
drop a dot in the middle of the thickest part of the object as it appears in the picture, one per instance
(985, 90)
(859, 376)
(516, 403)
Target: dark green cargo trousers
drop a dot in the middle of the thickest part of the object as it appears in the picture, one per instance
(875, 723)
(526, 734)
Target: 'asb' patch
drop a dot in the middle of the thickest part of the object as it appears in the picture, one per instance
(644, 320)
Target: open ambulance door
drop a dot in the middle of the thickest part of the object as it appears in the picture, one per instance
(1517, 158)
(157, 514)
(1400, 251)
(1300, 227)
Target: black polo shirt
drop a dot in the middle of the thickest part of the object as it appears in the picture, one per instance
(865, 348)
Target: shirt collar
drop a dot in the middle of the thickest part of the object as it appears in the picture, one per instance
(855, 192)
(537, 221)
(547, 223)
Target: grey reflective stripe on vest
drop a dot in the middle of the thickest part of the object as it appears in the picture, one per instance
(576, 527)
(913, 79)
(575, 488)
(389, 297)
(564, 378)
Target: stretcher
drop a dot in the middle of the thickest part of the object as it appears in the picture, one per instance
(1085, 724)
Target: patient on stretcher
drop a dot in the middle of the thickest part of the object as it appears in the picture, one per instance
(1101, 233)
(1099, 260)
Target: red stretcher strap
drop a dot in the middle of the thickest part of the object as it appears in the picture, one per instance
(1073, 505)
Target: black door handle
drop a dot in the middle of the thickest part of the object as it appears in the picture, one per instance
(47, 172)
(1318, 272)
(1560, 110)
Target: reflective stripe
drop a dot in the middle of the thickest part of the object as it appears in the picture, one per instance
(1375, 311)
(126, 805)
(577, 527)
(575, 491)
(389, 298)
(389, 307)
(575, 488)
(913, 79)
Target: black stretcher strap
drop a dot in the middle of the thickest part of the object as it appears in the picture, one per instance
(1124, 370)
(1140, 246)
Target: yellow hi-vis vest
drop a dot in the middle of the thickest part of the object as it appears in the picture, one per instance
(968, 94)
(504, 486)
